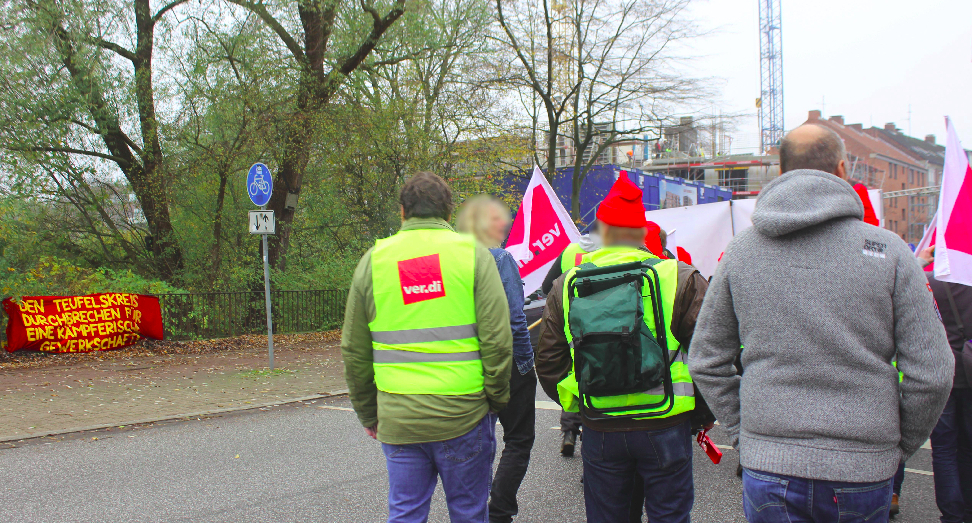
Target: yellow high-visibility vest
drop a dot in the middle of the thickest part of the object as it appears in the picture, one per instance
(424, 337)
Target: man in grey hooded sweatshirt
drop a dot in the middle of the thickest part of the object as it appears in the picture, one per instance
(822, 304)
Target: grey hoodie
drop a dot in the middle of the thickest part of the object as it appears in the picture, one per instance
(822, 303)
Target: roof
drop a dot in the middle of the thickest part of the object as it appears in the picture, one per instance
(867, 142)
(930, 152)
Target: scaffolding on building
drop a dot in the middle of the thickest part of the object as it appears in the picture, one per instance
(922, 206)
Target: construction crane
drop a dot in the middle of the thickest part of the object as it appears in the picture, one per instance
(770, 102)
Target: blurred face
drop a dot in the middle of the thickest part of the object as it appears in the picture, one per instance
(497, 226)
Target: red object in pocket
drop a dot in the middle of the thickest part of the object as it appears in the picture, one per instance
(710, 448)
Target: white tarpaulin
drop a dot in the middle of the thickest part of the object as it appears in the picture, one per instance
(705, 230)
(702, 230)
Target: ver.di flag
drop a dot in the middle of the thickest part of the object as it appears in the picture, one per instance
(541, 231)
(928, 240)
(953, 226)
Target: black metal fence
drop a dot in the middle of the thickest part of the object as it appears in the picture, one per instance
(224, 314)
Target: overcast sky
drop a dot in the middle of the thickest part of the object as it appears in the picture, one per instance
(867, 60)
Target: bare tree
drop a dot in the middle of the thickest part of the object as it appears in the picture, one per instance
(610, 67)
(535, 33)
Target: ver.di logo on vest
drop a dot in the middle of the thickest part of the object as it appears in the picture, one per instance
(421, 279)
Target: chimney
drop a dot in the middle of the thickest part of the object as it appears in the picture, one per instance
(930, 138)
(837, 119)
(890, 127)
(856, 126)
(814, 115)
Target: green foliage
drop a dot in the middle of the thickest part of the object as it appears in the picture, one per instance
(227, 92)
(57, 277)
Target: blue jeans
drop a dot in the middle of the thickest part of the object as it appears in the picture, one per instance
(771, 498)
(465, 465)
(663, 459)
(952, 458)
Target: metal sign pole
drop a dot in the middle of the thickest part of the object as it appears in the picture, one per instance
(259, 185)
(266, 291)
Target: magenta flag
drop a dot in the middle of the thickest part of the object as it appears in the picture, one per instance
(541, 231)
(953, 228)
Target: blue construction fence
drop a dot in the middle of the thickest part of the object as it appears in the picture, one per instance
(660, 191)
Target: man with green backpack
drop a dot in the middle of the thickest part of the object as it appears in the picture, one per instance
(613, 346)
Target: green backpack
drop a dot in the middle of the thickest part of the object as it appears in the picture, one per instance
(615, 353)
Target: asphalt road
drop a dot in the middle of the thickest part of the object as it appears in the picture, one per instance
(304, 462)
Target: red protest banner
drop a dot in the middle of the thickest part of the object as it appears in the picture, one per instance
(81, 323)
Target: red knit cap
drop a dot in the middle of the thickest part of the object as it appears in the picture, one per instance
(653, 240)
(683, 255)
(622, 206)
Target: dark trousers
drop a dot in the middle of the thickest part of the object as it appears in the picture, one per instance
(519, 430)
(899, 478)
(661, 458)
(570, 422)
(952, 458)
(772, 498)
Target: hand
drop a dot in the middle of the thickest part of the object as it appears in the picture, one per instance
(927, 255)
(708, 426)
(372, 432)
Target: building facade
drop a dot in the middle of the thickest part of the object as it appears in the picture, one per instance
(880, 165)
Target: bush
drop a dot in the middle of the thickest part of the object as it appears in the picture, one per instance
(53, 276)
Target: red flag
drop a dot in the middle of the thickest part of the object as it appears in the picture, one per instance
(953, 234)
(870, 217)
(541, 231)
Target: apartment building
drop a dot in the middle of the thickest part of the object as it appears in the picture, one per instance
(881, 165)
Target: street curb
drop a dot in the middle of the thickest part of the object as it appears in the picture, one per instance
(210, 412)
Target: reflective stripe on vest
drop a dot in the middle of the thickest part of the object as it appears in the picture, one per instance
(571, 257)
(424, 336)
(682, 386)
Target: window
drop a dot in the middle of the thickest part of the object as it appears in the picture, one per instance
(911, 176)
(894, 171)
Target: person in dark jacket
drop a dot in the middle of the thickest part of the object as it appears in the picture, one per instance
(570, 422)
(952, 437)
(488, 219)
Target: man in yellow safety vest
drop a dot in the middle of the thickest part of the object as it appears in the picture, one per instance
(427, 351)
(618, 442)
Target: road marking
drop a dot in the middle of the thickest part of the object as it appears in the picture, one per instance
(927, 445)
(550, 405)
(922, 472)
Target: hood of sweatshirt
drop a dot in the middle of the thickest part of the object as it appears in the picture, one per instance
(804, 198)
(590, 242)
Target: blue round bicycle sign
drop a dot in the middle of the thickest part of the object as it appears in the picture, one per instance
(259, 184)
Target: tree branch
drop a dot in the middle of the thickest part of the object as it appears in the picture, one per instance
(111, 46)
(70, 150)
(378, 28)
(166, 8)
(288, 40)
